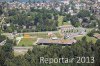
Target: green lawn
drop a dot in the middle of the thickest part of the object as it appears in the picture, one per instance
(79, 38)
(88, 30)
(31, 41)
(58, 35)
(27, 41)
(66, 23)
(89, 39)
(60, 20)
(40, 35)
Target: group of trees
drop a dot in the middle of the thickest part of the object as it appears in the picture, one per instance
(34, 20)
(6, 52)
(32, 58)
(42, 19)
(83, 18)
(1, 11)
(2, 38)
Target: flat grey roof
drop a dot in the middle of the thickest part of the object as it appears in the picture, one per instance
(59, 41)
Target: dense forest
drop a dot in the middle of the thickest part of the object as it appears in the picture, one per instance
(32, 58)
(45, 20)
(36, 20)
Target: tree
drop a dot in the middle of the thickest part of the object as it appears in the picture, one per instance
(83, 13)
(67, 18)
(1, 11)
(74, 21)
(6, 52)
(98, 24)
(97, 53)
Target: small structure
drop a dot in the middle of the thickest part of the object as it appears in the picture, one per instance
(3, 43)
(69, 31)
(26, 36)
(42, 41)
(97, 36)
(66, 28)
(50, 34)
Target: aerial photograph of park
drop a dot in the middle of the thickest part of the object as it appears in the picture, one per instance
(49, 32)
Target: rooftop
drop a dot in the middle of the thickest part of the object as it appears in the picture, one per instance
(97, 36)
(58, 41)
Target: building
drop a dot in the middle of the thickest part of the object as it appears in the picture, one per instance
(97, 36)
(67, 28)
(62, 42)
(69, 31)
(3, 43)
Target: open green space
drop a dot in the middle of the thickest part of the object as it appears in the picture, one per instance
(27, 41)
(89, 39)
(45, 35)
(66, 23)
(39, 35)
(58, 35)
(35, 36)
(60, 21)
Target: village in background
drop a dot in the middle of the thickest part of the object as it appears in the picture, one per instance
(25, 27)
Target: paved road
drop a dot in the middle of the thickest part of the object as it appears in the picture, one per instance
(11, 36)
(22, 48)
(32, 32)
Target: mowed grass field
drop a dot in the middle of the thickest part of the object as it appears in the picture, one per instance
(27, 41)
(60, 21)
(40, 35)
(89, 39)
(35, 36)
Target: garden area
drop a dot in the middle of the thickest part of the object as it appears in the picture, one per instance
(30, 39)
(27, 41)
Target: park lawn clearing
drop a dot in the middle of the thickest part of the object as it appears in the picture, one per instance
(89, 39)
(58, 35)
(79, 37)
(66, 23)
(32, 38)
(60, 20)
(27, 41)
(40, 35)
